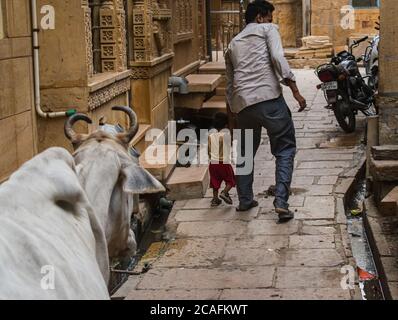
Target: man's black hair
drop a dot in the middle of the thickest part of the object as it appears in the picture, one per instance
(220, 121)
(258, 7)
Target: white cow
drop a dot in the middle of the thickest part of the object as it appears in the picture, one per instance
(48, 225)
(69, 215)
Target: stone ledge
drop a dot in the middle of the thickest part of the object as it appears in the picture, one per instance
(203, 82)
(384, 170)
(375, 223)
(386, 152)
(213, 67)
(102, 80)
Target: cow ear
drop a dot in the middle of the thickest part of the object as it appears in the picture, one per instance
(139, 181)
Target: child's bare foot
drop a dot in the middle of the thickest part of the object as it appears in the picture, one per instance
(215, 202)
(226, 197)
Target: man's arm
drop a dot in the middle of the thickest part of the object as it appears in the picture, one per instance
(281, 66)
(229, 88)
(229, 75)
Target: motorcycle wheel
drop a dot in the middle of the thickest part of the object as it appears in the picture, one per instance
(345, 116)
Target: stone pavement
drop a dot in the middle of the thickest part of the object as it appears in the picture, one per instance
(221, 254)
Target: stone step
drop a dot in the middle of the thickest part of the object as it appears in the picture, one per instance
(220, 91)
(160, 160)
(188, 183)
(217, 67)
(216, 102)
(384, 170)
(203, 82)
(139, 140)
(388, 206)
(386, 152)
(190, 101)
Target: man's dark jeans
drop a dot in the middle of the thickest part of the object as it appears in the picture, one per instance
(275, 116)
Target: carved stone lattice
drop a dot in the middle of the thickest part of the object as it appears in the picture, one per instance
(108, 42)
(113, 36)
(184, 20)
(151, 29)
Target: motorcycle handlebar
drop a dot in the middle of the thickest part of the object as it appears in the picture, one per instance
(361, 40)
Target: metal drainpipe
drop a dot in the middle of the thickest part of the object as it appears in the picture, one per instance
(36, 70)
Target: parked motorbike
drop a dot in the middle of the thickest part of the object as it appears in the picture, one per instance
(345, 89)
(371, 61)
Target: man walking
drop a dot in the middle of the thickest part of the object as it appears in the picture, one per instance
(255, 68)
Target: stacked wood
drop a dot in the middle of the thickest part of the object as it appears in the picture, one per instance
(315, 47)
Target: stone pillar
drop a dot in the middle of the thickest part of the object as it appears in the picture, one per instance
(151, 60)
(387, 100)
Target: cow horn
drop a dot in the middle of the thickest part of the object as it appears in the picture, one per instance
(134, 126)
(69, 132)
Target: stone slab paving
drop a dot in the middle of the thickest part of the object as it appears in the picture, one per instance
(222, 254)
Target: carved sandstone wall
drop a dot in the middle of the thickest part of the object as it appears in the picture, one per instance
(17, 116)
(388, 90)
(67, 73)
(151, 59)
(288, 15)
(326, 18)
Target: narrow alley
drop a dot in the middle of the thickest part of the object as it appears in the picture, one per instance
(221, 254)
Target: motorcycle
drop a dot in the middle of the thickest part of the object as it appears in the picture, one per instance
(371, 61)
(345, 89)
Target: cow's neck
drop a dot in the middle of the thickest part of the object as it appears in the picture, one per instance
(99, 178)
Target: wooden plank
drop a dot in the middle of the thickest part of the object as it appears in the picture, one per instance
(386, 152)
(388, 206)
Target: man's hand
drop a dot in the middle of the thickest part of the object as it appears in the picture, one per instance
(301, 100)
(296, 94)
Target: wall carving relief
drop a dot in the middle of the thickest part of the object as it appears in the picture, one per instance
(184, 20)
(111, 43)
(152, 32)
(89, 38)
(106, 94)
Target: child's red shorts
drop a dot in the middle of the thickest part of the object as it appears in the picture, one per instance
(220, 172)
